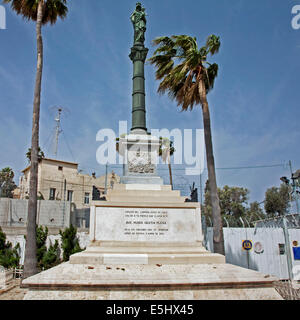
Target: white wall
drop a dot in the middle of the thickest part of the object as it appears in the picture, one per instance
(270, 261)
(13, 213)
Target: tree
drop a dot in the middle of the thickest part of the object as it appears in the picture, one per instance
(7, 184)
(188, 82)
(277, 200)
(69, 242)
(41, 248)
(166, 150)
(41, 155)
(51, 257)
(46, 257)
(42, 12)
(9, 256)
(234, 206)
(254, 213)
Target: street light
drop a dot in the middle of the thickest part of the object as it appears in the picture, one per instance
(295, 177)
(285, 180)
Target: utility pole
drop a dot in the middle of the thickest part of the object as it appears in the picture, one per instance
(287, 247)
(57, 131)
(294, 185)
(285, 224)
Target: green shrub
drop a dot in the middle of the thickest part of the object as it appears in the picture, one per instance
(9, 256)
(69, 242)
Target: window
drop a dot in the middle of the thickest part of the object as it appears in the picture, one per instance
(52, 194)
(70, 195)
(281, 248)
(86, 198)
(60, 168)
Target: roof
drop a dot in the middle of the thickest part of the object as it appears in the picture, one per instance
(53, 160)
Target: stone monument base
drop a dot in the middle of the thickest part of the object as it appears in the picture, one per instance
(150, 282)
(146, 243)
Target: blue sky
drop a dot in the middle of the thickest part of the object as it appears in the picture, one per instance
(254, 106)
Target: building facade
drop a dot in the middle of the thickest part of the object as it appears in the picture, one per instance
(60, 180)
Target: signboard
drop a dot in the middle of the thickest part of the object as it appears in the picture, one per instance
(258, 247)
(146, 224)
(296, 251)
(247, 245)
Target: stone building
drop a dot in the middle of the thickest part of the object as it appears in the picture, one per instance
(61, 180)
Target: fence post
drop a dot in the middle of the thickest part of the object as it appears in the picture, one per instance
(287, 248)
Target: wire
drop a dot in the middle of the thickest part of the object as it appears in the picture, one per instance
(68, 145)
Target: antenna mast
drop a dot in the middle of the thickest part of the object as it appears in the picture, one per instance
(58, 130)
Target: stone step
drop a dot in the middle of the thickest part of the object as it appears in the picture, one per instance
(143, 250)
(137, 199)
(144, 244)
(146, 258)
(121, 186)
(210, 281)
(144, 193)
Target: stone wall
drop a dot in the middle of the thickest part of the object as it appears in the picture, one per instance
(6, 276)
(13, 213)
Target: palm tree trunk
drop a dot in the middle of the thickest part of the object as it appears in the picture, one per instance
(30, 262)
(218, 237)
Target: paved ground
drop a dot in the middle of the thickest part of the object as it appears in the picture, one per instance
(16, 293)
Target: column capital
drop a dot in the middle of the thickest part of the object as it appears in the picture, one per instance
(138, 53)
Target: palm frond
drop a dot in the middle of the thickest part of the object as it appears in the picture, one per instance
(213, 44)
(212, 73)
(53, 9)
(181, 67)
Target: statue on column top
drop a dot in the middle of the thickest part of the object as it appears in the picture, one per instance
(138, 19)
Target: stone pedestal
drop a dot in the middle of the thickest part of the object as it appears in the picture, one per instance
(146, 243)
(140, 154)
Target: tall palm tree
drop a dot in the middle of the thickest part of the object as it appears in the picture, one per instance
(42, 12)
(187, 77)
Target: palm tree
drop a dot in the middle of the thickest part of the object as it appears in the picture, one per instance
(42, 12)
(166, 150)
(41, 155)
(187, 77)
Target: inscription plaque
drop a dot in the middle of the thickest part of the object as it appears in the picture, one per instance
(145, 224)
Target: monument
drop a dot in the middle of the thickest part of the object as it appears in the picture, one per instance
(146, 241)
(139, 148)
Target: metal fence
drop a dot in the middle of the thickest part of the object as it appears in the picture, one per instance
(272, 247)
(289, 290)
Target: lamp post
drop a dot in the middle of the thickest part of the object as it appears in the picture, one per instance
(295, 184)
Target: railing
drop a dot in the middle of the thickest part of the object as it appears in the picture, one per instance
(18, 273)
(289, 290)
